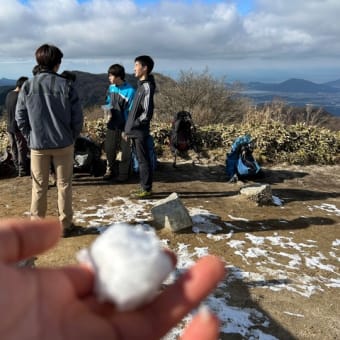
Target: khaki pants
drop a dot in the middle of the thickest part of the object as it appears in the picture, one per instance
(40, 168)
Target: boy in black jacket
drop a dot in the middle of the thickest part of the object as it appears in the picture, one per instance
(137, 126)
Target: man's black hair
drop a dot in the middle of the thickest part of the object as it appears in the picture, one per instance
(117, 71)
(48, 56)
(20, 82)
(147, 61)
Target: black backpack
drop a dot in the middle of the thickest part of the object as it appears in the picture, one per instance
(87, 157)
(7, 167)
(182, 134)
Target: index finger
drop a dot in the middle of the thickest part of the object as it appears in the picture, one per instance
(21, 238)
(187, 293)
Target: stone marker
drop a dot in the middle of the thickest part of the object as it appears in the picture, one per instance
(171, 213)
(260, 193)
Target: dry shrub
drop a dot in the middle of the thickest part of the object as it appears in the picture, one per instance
(4, 141)
(276, 142)
(94, 112)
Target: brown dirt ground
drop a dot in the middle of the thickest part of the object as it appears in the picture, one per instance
(204, 186)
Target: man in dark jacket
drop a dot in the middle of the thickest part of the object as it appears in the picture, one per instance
(50, 117)
(137, 126)
(17, 141)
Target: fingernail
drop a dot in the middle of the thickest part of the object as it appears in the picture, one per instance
(205, 312)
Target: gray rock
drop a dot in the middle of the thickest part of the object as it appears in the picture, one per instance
(171, 213)
(260, 193)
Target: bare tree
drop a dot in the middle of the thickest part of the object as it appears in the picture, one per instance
(209, 100)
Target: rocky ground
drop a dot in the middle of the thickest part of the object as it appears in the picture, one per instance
(283, 260)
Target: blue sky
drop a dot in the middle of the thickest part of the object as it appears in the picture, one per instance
(251, 40)
(243, 6)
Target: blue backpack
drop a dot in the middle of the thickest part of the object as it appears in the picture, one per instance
(240, 160)
(152, 154)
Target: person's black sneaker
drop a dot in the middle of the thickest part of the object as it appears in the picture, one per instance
(76, 230)
(73, 230)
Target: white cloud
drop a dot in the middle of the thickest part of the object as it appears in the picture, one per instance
(177, 34)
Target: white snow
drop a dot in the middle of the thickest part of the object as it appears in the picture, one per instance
(129, 265)
(331, 208)
(274, 262)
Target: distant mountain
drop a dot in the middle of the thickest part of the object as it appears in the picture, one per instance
(3, 93)
(292, 85)
(92, 87)
(335, 83)
(7, 82)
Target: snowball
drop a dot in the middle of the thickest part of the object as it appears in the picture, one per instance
(129, 265)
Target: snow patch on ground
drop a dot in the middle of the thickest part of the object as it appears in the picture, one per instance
(279, 261)
(330, 208)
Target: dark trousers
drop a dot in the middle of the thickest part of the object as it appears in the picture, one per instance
(143, 157)
(113, 143)
(19, 151)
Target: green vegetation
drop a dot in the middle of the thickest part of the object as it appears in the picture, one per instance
(275, 142)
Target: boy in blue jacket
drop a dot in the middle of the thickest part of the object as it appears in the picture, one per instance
(118, 102)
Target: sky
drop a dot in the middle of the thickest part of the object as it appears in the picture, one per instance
(242, 40)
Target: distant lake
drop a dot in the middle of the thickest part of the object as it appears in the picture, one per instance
(329, 101)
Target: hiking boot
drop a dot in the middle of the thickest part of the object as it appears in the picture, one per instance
(141, 193)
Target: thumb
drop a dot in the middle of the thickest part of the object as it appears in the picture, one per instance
(21, 238)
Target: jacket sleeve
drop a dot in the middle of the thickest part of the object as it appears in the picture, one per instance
(108, 97)
(77, 116)
(129, 103)
(146, 105)
(21, 114)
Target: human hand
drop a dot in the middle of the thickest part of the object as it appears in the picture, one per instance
(58, 303)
